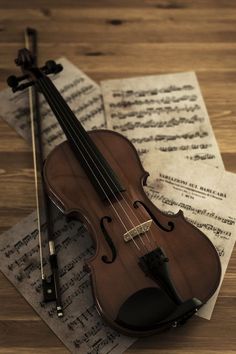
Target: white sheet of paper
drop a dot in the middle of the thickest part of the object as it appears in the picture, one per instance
(206, 195)
(162, 112)
(81, 93)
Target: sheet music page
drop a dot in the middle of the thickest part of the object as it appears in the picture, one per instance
(81, 93)
(81, 329)
(162, 112)
(206, 195)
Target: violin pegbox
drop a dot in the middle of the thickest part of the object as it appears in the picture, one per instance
(27, 63)
(30, 71)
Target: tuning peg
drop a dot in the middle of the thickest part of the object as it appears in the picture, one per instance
(13, 81)
(51, 67)
(59, 68)
(22, 86)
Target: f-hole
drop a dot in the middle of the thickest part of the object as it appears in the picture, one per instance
(108, 240)
(170, 223)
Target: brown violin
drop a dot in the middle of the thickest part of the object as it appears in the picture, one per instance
(151, 270)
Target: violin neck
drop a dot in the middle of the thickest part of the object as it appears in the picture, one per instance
(93, 162)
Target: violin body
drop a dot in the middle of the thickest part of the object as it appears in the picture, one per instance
(136, 295)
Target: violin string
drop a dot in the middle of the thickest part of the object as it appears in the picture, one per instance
(136, 217)
(117, 189)
(44, 85)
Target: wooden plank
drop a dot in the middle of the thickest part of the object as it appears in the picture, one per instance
(160, 4)
(36, 331)
(27, 350)
(154, 58)
(100, 16)
(133, 32)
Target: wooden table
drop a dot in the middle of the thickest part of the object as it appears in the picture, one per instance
(113, 39)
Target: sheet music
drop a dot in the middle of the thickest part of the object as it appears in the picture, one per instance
(81, 329)
(206, 195)
(162, 112)
(81, 93)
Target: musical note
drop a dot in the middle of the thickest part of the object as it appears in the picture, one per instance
(161, 112)
(158, 124)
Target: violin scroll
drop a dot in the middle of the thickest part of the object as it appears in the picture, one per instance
(30, 72)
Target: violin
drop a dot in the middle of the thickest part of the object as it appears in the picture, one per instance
(151, 271)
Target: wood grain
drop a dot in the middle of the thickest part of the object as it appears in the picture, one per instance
(114, 39)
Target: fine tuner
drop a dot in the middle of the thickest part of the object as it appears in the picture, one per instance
(50, 67)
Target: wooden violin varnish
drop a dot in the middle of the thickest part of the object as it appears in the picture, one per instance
(151, 270)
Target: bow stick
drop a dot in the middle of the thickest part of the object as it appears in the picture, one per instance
(50, 285)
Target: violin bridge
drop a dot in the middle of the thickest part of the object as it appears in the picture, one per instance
(138, 230)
